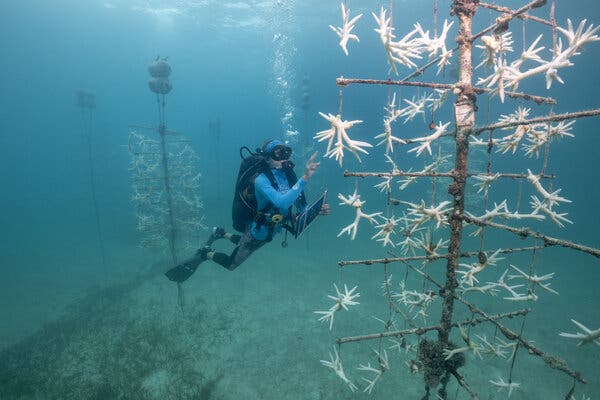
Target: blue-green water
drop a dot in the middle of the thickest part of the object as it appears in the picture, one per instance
(72, 326)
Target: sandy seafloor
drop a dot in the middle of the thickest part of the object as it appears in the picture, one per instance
(252, 333)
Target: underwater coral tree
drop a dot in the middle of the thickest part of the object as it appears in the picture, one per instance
(435, 227)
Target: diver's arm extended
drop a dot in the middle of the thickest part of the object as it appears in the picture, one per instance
(282, 201)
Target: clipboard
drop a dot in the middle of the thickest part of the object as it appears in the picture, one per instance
(310, 213)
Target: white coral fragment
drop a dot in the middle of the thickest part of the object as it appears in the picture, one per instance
(402, 51)
(440, 130)
(492, 45)
(485, 181)
(429, 246)
(420, 213)
(342, 301)
(386, 184)
(382, 360)
(588, 335)
(417, 302)
(536, 135)
(386, 229)
(354, 201)
(415, 107)
(541, 134)
(508, 76)
(335, 364)
(470, 346)
(436, 44)
(511, 142)
(468, 275)
(534, 279)
(501, 211)
(510, 386)
(550, 199)
(344, 33)
(338, 133)
(387, 137)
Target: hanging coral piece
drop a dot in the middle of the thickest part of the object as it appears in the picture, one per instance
(508, 76)
(354, 201)
(338, 133)
(345, 31)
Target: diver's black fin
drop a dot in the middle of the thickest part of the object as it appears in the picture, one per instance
(183, 271)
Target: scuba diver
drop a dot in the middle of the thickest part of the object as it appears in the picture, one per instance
(266, 191)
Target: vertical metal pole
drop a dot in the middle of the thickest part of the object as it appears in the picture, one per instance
(464, 110)
(165, 164)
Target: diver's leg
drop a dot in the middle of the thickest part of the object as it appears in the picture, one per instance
(184, 270)
(233, 237)
(216, 234)
(222, 259)
(219, 233)
(246, 245)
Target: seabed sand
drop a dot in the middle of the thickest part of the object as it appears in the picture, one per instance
(252, 334)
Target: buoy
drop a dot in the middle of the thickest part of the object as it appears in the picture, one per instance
(160, 85)
(159, 68)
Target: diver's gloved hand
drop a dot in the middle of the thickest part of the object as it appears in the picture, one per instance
(311, 166)
(325, 209)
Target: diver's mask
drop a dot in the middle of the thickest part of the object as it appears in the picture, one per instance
(281, 152)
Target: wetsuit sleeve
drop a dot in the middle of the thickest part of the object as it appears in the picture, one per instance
(281, 201)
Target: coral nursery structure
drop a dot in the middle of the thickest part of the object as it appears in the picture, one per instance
(165, 178)
(436, 230)
(167, 200)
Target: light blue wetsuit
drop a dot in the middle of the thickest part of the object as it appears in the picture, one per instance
(281, 199)
(278, 201)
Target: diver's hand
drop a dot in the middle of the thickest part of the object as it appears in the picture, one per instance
(311, 166)
(325, 209)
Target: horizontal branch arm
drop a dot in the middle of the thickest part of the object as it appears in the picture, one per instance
(434, 174)
(515, 95)
(432, 257)
(501, 23)
(549, 118)
(521, 16)
(422, 330)
(526, 232)
(348, 174)
(341, 81)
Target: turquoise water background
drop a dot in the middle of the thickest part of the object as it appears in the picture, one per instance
(71, 328)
